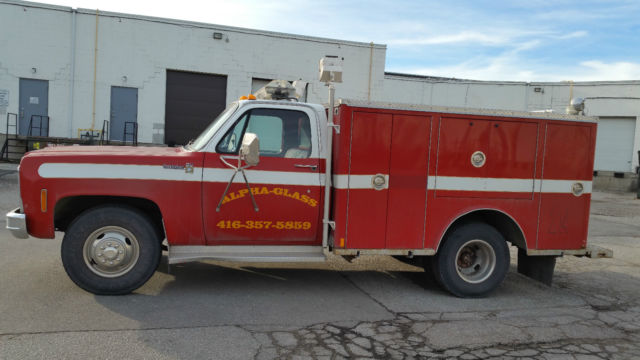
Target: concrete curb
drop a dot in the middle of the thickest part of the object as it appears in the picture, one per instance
(8, 166)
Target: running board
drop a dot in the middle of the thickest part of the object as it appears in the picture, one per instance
(249, 253)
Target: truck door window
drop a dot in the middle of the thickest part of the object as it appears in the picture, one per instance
(269, 131)
(282, 133)
(231, 141)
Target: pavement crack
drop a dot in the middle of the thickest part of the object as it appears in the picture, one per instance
(367, 294)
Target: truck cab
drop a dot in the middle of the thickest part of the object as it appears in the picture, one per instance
(285, 185)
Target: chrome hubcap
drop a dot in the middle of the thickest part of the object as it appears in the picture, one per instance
(111, 251)
(475, 261)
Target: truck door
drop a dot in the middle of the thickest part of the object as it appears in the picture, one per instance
(285, 184)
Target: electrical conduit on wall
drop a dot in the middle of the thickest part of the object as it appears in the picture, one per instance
(95, 71)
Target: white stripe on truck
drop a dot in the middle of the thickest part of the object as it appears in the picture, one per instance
(158, 172)
(459, 183)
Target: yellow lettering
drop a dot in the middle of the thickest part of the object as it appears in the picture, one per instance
(278, 191)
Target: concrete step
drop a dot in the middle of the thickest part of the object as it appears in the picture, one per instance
(13, 149)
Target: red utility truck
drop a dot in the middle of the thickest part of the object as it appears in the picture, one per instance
(275, 180)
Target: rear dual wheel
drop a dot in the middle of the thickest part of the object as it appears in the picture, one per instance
(472, 262)
(111, 250)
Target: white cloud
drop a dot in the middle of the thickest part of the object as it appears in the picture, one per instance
(461, 37)
(598, 70)
(495, 70)
(515, 69)
(573, 35)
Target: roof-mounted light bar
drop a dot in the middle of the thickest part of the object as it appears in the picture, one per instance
(277, 90)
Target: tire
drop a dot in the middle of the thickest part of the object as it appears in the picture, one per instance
(473, 261)
(110, 250)
(429, 272)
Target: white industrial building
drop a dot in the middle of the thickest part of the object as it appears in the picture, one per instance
(80, 67)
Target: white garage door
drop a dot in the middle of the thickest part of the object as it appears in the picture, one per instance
(614, 144)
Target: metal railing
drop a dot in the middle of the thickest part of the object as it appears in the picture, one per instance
(6, 147)
(42, 126)
(131, 131)
(104, 135)
(14, 125)
(89, 136)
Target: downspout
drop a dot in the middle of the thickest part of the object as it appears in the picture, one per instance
(370, 71)
(570, 91)
(72, 79)
(95, 72)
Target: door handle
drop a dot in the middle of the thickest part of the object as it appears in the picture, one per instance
(312, 167)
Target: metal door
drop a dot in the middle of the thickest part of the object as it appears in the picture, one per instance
(124, 108)
(34, 100)
(614, 144)
(193, 100)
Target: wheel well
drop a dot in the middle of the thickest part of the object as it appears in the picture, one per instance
(69, 208)
(502, 222)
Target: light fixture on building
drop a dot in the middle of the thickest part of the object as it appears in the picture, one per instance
(34, 70)
(217, 35)
(538, 89)
(124, 78)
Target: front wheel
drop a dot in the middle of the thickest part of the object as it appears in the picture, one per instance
(110, 250)
(473, 261)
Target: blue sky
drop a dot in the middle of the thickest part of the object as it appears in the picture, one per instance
(519, 40)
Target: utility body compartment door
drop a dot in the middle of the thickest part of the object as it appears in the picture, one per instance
(566, 185)
(507, 150)
(392, 149)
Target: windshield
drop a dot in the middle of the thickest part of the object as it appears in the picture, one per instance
(206, 135)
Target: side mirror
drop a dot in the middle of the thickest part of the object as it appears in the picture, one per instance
(250, 149)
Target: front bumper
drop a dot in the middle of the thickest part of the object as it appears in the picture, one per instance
(17, 223)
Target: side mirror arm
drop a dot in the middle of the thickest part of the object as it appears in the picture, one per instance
(250, 154)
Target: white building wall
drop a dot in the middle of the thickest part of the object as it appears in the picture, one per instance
(35, 44)
(136, 51)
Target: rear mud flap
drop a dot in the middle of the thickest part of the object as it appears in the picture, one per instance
(539, 268)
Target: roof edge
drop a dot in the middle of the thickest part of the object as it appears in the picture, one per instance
(438, 79)
(193, 24)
